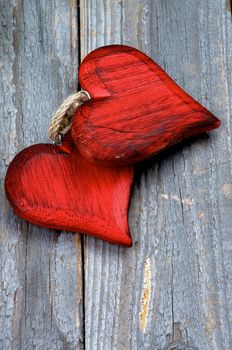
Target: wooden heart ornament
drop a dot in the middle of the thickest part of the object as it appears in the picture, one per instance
(56, 187)
(136, 109)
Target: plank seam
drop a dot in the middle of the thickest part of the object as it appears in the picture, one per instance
(81, 236)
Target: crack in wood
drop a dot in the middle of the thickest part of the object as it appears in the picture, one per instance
(82, 239)
(111, 277)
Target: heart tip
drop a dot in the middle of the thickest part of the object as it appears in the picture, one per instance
(215, 122)
(128, 245)
(127, 242)
(124, 241)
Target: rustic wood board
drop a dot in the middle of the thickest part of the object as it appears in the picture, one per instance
(41, 271)
(174, 286)
(172, 289)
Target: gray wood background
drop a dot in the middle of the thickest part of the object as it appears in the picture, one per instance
(173, 288)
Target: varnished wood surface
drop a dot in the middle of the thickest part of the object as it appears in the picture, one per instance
(54, 186)
(173, 289)
(136, 110)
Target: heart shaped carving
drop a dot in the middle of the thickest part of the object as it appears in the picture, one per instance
(136, 109)
(56, 187)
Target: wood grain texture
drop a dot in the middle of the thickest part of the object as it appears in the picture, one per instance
(173, 289)
(136, 110)
(54, 186)
(41, 302)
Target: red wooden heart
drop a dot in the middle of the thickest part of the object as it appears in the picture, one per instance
(58, 188)
(136, 109)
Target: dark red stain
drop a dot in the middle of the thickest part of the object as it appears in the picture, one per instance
(56, 187)
(136, 110)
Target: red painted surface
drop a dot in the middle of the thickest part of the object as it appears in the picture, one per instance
(136, 109)
(56, 187)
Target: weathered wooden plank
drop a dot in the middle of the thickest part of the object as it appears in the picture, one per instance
(41, 271)
(173, 285)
